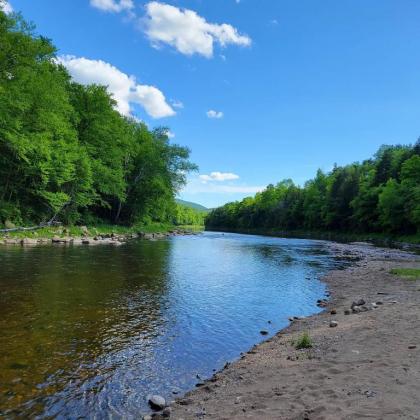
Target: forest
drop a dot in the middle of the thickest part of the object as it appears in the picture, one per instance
(381, 194)
(65, 152)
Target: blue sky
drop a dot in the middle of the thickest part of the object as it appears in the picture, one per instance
(286, 87)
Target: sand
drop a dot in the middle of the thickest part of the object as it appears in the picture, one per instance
(368, 366)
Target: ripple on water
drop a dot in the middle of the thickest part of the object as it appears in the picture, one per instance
(94, 330)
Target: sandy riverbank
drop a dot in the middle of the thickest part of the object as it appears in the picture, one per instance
(368, 366)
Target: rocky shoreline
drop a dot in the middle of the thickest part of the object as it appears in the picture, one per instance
(363, 359)
(90, 238)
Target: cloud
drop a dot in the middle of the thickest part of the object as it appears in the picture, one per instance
(124, 88)
(177, 104)
(219, 176)
(214, 114)
(113, 6)
(196, 186)
(170, 134)
(6, 7)
(186, 31)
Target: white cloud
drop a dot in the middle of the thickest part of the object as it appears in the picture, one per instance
(170, 134)
(219, 176)
(214, 114)
(195, 186)
(124, 88)
(6, 7)
(186, 31)
(177, 104)
(113, 6)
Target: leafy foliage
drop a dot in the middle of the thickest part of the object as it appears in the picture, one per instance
(65, 149)
(378, 195)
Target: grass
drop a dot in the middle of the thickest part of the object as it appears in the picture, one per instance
(409, 273)
(304, 342)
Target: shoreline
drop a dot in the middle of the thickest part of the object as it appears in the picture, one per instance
(406, 242)
(366, 364)
(90, 237)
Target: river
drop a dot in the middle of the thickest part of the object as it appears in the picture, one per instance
(91, 331)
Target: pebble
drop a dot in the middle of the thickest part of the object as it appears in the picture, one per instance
(355, 309)
(157, 402)
(166, 412)
(412, 347)
(264, 332)
(347, 312)
(333, 312)
(333, 324)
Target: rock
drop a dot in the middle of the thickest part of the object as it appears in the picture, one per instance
(347, 312)
(166, 412)
(56, 240)
(9, 225)
(156, 402)
(85, 242)
(264, 332)
(291, 319)
(28, 241)
(361, 302)
(333, 324)
(333, 312)
(356, 309)
(379, 302)
(147, 417)
(412, 347)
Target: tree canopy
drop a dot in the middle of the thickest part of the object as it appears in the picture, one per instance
(381, 194)
(65, 149)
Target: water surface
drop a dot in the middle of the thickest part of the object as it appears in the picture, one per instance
(90, 331)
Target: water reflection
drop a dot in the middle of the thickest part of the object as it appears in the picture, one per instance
(91, 331)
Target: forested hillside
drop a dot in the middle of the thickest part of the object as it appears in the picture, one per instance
(381, 194)
(65, 150)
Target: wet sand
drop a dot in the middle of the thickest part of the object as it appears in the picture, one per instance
(368, 366)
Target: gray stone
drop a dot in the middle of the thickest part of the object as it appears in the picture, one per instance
(157, 402)
(29, 241)
(333, 324)
(166, 412)
(347, 312)
(356, 309)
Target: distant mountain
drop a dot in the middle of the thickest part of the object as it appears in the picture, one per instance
(194, 206)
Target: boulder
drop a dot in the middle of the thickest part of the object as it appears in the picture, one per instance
(29, 241)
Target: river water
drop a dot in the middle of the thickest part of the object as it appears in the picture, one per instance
(91, 331)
